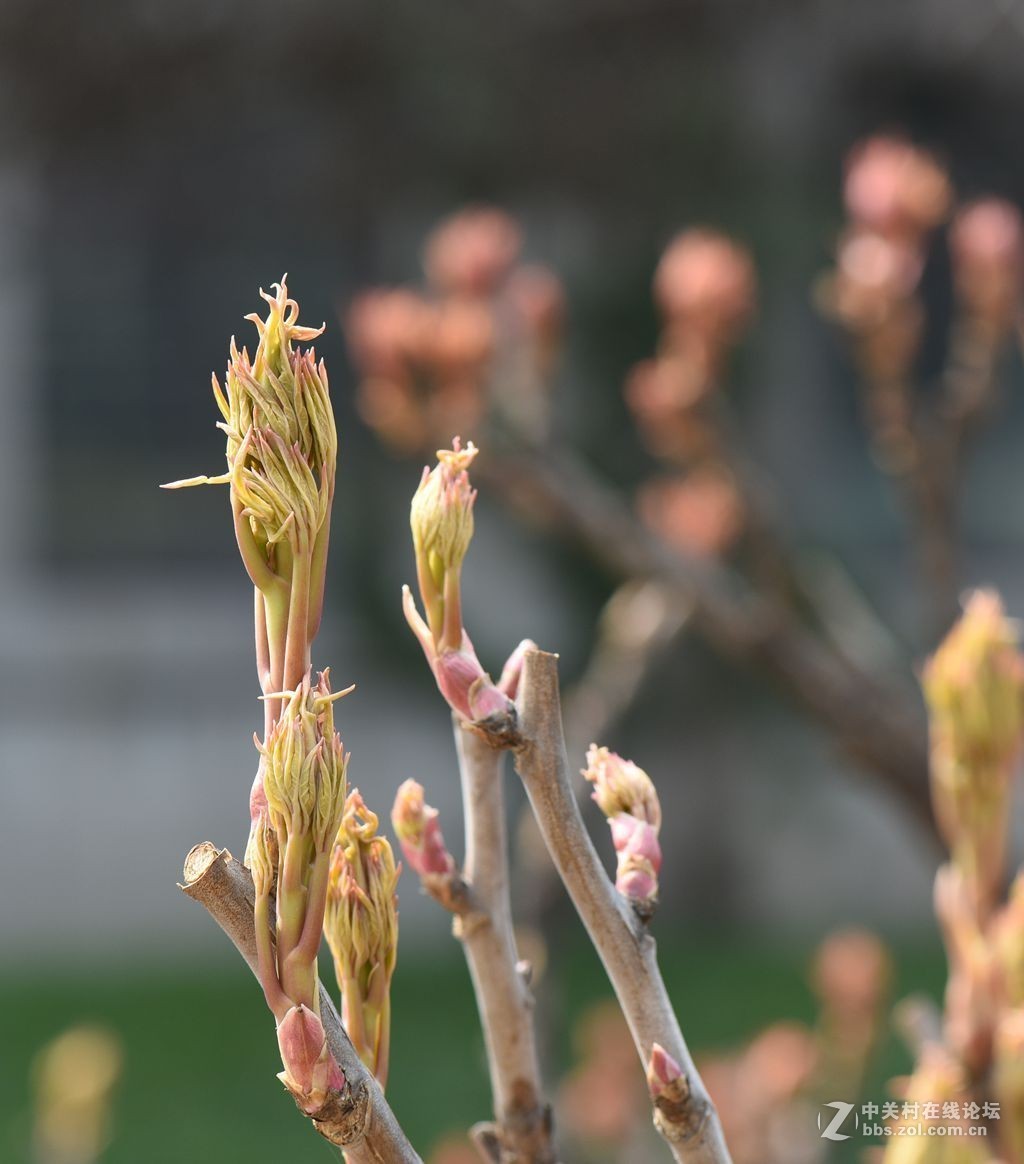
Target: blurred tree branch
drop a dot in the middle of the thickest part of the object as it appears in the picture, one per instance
(879, 727)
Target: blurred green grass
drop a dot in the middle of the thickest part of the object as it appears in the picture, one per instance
(201, 1058)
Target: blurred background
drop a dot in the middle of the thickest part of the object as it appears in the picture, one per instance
(161, 162)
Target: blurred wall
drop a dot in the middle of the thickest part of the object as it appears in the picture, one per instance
(159, 162)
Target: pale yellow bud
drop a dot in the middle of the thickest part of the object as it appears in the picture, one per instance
(620, 786)
(282, 442)
(75, 1076)
(1008, 1079)
(361, 926)
(1007, 937)
(362, 888)
(262, 857)
(442, 511)
(937, 1078)
(277, 490)
(974, 686)
(304, 766)
(288, 389)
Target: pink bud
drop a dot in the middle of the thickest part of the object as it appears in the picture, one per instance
(461, 339)
(418, 830)
(662, 1071)
(637, 885)
(894, 187)
(986, 242)
(466, 685)
(386, 330)
(486, 700)
(472, 252)
(875, 272)
(636, 843)
(701, 513)
(988, 233)
(257, 797)
(513, 669)
(310, 1071)
(456, 672)
(636, 838)
(301, 1037)
(434, 856)
(706, 281)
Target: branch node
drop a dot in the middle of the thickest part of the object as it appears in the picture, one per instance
(466, 925)
(485, 1138)
(449, 890)
(500, 730)
(344, 1117)
(680, 1116)
(358, 1117)
(524, 968)
(199, 859)
(645, 910)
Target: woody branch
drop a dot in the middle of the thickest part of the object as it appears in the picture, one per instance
(360, 1121)
(442, 527)
(686, 1118)
(504, 1001)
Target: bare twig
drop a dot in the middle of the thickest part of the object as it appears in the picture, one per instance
(844, 614)
(879, 727)
(927, 475)
(358, 1119)
(938, 440)
(638, 626)
(522, 1133)
(690, 1124)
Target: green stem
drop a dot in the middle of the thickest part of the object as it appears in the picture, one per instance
(300, 982)
(296, 657)
(291, 899)
(377, 1011)
(318, 574)
(276, 604)
(355, 1020)
(382, 1057)
(253, 556)
(262, 656)
(266, 968)
(316, 903)
(433, 602)
(451, 633)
